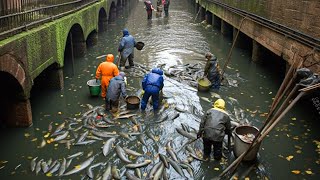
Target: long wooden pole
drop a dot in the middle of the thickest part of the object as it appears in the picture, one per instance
(235, 163)
(231, 49)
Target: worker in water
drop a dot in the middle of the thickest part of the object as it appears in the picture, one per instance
(126, 49)
(212, 70)
(117, 87)
(106, 70)
(149, 8)
(166, 4)
(159, 8)
(152, 84)
(213, 127)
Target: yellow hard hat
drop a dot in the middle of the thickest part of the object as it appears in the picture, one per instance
(219, 104)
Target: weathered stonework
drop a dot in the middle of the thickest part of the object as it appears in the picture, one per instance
(24, 56)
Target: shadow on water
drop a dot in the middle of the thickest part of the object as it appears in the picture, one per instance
(170, 43)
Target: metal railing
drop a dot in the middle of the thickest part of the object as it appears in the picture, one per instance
(20, 15)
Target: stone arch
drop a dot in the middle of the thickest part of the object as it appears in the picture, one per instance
(112, 12)
(92, 38)
(103, 20)
(15, 108)
(76, 43)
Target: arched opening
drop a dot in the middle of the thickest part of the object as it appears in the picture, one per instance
(112, 13)
(10, 94)
(92, 38)
(103, 20)
(75, 47)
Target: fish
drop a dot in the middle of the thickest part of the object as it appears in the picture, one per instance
(50, 127)
(175, 115)
(186, 134)
(94, 138)
(55, 168)
(126, 116)
(165, 174)
(80, 167)
(158, 173)
(85, 142)
(185, 127)
(107, 146)
(43, 143)
(107, 173)
(172, 154)
(121, 154)
(89, 106)
(164, 160)
(176, 166)
(63, 167)
(89, 169)
(138, 165)
(205, 99)
(33, 164)
(38, 166)
(132, 152)
(44, 167)
(189, 149)
(60, 137)
(137, 172)
(131, 176)
(115, 172)
(215, 95)
(59, 128)
(148, 133)
(141, 139)
(83, 136)
(75, 155)
(125, 135)
(154, 169)
(179, 109)
(104, 134)
(196, 157)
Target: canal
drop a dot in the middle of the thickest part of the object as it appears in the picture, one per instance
(291, 150)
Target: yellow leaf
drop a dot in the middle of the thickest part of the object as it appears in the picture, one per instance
(59, 112)
(293, 119)
(289, 158)
(298, 151)
(295, 171)
(216, 169)
(246, 178)
(34, 139)
(309, 172)
(26, 134)
(144, 174)
(77, 167)
(235, 178)
(49, 174)
(47, 135)
(55, 145)
(29, 157)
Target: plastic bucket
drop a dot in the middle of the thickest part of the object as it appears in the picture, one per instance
(94, 87)
(139, 45)
(243, 138)
(204, 84)
(133, 102)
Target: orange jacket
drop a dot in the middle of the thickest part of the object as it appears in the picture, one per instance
(107, 69)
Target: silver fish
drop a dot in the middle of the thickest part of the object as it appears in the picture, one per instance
(107, 146)
(121, 153)
(60, 137)
(33, 164)
(107, 173)
(132, 152)
(63, 167)
(75, 155)
(80, 167)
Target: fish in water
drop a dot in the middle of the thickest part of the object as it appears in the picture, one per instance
(80, 167)
(138, 165)
(121, 154)
(106, 149)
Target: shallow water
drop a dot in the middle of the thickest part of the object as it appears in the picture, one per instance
(292, 146)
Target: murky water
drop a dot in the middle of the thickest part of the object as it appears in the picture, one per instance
(290, 151)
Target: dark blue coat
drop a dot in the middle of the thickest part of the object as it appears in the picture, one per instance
(152, 83)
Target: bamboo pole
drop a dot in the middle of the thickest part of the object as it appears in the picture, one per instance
(230, 52)
(284, 84)
(235, 163)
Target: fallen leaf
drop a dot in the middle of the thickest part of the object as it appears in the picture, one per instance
(246, 178)
(293, 119)
(289, 158)
(77, 167)
(216, 169)
(309, 172)
(34, 139)
(26, 134)
(295, 171)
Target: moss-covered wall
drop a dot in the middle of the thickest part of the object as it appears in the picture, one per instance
(38, 48)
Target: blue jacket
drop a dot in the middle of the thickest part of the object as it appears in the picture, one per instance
(116, 86)
(153, 82)
(127, 44)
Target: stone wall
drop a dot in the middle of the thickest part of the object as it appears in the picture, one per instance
(301, 15)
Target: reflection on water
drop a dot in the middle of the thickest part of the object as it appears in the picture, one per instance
(290, 151)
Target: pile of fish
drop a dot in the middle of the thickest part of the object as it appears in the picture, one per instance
(95, 126)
